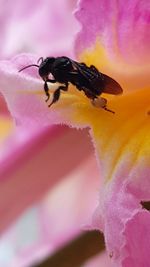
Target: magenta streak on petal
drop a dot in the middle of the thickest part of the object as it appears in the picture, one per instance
(36, 166)
(120, 26)
(3, 107)
(133, 33)
(95, 18)
(137, 241)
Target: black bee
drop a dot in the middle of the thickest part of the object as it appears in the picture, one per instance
(87, 79)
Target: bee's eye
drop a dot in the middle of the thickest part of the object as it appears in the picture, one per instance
(44, 69)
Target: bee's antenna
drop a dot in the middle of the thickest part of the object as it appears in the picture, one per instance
(33, 65)
(40, 59)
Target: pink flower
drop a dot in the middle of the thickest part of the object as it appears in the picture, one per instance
(30, 156)
(115, 38)
(30, 176)
(119, 36)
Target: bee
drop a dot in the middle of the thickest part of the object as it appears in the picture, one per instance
(87, 79)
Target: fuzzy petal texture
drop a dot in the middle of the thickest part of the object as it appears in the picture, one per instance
(121, 140)
(137, 232)
(125, 224)
(123, 154)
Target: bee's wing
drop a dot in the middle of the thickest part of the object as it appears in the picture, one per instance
(83, 69)
(111, 86)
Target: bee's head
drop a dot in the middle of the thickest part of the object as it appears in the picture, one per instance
(46, 66)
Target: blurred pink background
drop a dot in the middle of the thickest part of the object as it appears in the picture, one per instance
(48, 177)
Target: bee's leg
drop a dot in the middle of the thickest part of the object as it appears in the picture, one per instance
(56, 94)
(98, 102)
(46, 89)
(64, 87)
(88, 93)
(107, 109)
(101, 103)
(51, 81)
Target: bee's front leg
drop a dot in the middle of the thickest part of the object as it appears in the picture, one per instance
(46, 89)
(56, 94)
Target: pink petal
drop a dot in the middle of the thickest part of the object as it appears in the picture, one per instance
(3, 107)
(40, 27)
(121, 217)
(24, 105)
(46, 227)
(98, 261)
(26, 97)
(29, 166)
(137, 240)
(122, 27)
